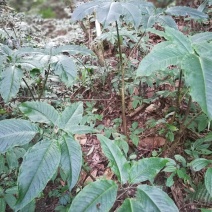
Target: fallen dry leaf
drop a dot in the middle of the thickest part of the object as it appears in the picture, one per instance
(81, 138)
(108, 174)
(152, 142)
(151, 108)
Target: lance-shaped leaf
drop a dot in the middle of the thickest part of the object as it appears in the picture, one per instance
(162, 55)
(108, 12)
(179, 39)
(203, 49)
(198, 76)
(39, 112)
(84, 10)
(154, 199)
(186, 11)
(66, 69)
(146, 169)
(97, 196)
(39, 165)
(131, 205)
(116, 157)
(10, 82)
(15, 132)
(167, 20)
(73, 49)
(201, 37)
(208, 180)
(71, 116)
(71, 160)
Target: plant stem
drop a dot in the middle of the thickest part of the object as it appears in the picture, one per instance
(29, 89)
(123, 106)
(44, 84)
(178, 92)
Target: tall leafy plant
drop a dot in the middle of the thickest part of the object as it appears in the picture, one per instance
(100, 195)
(193, 55)
(56, 149)
(17, 62)
(135, 12)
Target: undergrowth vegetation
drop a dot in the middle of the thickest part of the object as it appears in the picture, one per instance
(136, 92)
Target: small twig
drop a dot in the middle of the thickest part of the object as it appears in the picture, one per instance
(45, 81)
(88, 174)
(123, 106)
(137, 110)
(29, 89)
(187, 110)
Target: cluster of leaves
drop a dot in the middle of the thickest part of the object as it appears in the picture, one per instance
(45, 146)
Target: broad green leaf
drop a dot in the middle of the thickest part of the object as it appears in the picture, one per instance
(39, 112)
(71, 116)
(201, 37)
(167, 20)
(12, 159)
(132, 13)
(74, 49)
(84, 10)
(202, 6)
(186, 11)
(131, 205)
(148, 21)
(10, 200)
(80, 129)
(108, 12)
(15, 132)
(66, 69)
(203, 49)
(10, 82)
(97, 196)
(154, 199)
(29, 207)
(161, 56)
(38, 166)
(71, 160)
(117, 159)
(5, 50)
(198, 76)
(199, 164)
(2, 205)
(179, 39)
(146, 169)
(208, 180)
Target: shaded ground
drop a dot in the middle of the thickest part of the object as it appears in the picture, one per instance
(108, 104)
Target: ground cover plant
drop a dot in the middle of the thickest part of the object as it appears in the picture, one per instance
(111, 113)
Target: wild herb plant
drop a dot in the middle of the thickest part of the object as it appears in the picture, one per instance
(44, 137)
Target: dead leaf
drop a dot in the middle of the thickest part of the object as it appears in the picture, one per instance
(151, 108)
(152, 142)
(90, 151)
(89, 180)
(81, 138)
(108, 174)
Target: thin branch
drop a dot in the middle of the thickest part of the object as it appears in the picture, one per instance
(29, 89)
(45, 81)
(123, 106)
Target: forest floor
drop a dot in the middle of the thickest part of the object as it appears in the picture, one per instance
(100, 95)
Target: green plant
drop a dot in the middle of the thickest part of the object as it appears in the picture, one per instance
(135, 132)
(135, 12)
(179, 169)
(200, 147)
(18, 62)
(55, 148)
(47, 13)
(148, 198)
